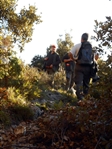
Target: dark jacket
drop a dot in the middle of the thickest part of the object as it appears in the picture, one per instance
(53, 59)
(69, 66)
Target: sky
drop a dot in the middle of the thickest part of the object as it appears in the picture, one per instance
(60, 17)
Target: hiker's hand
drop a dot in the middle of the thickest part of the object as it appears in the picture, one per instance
(46, 58)
(70, 59)
(51, 66)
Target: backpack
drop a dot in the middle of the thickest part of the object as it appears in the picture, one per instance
(85, 55)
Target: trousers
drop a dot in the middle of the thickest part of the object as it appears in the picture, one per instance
(82, 79)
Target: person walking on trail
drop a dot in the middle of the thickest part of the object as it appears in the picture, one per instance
(52, 62)
(69, 70)
(94, 69)
(82, 54)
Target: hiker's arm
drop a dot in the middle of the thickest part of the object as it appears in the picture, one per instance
(67, 60)
(73, 54)
(46, 58)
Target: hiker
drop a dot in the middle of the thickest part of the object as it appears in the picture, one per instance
(94, 69)
(69, 70)
(82, 54)
(52, 61)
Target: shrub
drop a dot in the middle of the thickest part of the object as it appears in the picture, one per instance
(4, 118)
(21, 113)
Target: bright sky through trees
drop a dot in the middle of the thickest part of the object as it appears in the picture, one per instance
(61, 16)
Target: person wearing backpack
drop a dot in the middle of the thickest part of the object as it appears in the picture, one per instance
(69, 70)
(82, 54)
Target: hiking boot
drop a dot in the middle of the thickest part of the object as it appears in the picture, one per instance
(95, 79)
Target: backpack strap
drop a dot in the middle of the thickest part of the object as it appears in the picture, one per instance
(79, 52)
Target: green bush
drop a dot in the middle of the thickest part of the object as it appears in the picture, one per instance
(21, 113)
(103, 88)
(4, 118)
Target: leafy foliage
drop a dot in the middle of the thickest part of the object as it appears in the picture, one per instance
(4, 118)
(18, 25)
(21, 113)
(37, 62)
(15, 29)
(103, 88)
(83, 125)
(5, 54)
(64, 45)
(103, 32)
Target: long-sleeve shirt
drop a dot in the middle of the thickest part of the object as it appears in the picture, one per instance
(75, 50)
